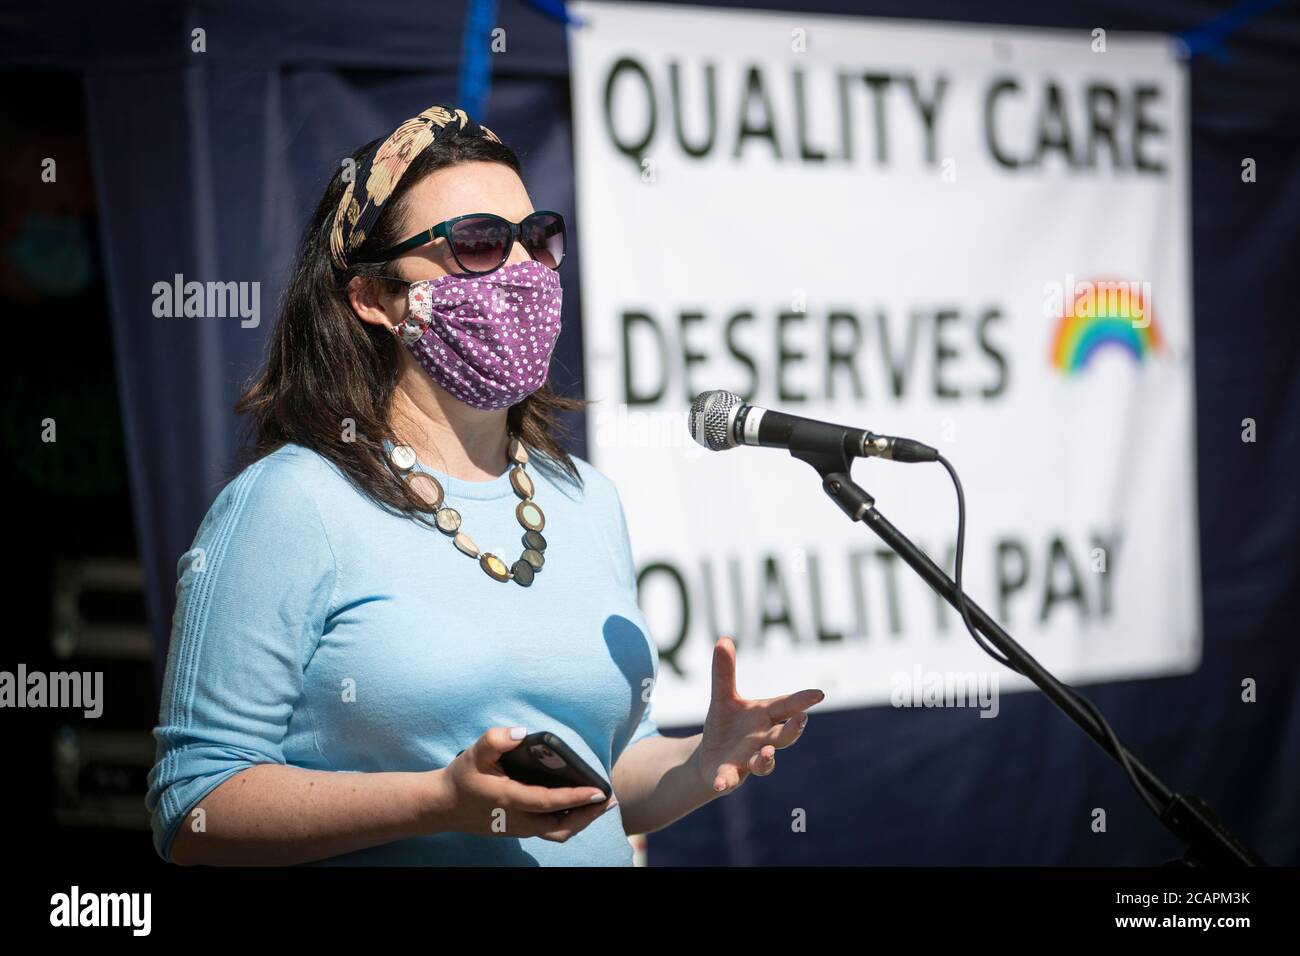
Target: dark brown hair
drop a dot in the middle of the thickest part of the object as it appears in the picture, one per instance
(324, 366)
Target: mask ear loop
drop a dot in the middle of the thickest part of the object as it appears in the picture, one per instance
(419, 310)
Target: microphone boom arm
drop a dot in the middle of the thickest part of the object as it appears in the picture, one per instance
(1188, 817)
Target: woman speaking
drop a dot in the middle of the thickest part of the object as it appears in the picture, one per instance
(409, 574)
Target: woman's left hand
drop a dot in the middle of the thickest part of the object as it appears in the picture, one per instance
(742, 736)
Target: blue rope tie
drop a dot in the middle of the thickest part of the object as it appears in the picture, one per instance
(1209, 36)
(475, 81)
(476, 58)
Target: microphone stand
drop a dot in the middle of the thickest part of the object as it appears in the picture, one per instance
(1189, 818)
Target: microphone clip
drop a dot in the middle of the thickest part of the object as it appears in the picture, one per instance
(833, 461)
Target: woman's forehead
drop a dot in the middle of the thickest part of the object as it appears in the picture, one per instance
(468, 188)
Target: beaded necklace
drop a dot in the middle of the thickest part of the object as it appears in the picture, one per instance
(428, 489)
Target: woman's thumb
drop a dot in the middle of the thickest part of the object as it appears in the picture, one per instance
(499, 740)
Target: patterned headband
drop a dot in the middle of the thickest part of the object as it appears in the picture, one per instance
(381, 169)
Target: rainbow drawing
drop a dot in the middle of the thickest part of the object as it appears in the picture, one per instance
(1102, 315)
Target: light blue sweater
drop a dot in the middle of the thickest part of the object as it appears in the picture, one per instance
(314, 629)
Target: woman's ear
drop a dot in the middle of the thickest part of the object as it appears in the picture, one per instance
(373, 302)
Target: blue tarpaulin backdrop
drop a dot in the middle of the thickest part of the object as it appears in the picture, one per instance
(207, 164)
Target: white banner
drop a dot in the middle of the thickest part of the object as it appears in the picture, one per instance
(974, 236)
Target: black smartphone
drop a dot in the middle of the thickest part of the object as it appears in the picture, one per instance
(544, 760)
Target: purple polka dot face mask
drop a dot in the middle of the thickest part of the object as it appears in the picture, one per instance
(486, 339)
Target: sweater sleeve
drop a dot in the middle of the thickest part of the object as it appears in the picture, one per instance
(252, 597)
(647, 727)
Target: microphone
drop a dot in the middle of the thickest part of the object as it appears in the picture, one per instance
(720, 420)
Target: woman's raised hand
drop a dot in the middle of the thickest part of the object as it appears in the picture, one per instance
(742, 736)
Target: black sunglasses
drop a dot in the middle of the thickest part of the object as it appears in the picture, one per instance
(481, 241)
